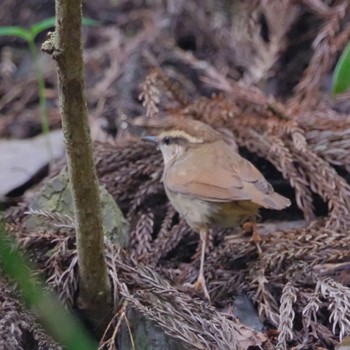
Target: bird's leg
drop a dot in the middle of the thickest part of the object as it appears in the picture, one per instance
(200, 285)
(250, 226)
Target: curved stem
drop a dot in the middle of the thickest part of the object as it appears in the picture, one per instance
(42, 98)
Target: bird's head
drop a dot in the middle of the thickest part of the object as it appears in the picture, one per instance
(175, 135)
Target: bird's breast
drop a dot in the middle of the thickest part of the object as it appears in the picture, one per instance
(196, 212)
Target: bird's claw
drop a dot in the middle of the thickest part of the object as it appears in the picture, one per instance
(199, 286)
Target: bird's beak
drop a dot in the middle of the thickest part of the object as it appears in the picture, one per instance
(150, 138)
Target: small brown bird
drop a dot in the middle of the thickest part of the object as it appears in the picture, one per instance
(206, 180)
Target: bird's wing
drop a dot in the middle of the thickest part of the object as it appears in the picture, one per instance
(215, 173)
(204, 174)
(260, 190)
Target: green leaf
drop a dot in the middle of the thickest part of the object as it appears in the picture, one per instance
(42, 25)
(90, 22)
(34, 30)
(341, 76)
(61, 325)
(16, 31)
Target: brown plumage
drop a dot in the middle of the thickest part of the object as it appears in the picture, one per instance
(206, 180)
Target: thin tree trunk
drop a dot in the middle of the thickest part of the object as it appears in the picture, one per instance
(66, 48)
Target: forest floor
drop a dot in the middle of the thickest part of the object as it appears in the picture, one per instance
(237, 66)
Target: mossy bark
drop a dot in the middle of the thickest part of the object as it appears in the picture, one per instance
(66, 48)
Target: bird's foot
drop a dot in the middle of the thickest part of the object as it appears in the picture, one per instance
(199, 287)
(256, 238)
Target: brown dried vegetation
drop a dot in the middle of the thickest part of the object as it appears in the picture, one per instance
(299, 283)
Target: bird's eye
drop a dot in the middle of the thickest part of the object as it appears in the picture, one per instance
(166, 140)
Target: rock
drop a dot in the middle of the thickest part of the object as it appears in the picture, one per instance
(56, 197)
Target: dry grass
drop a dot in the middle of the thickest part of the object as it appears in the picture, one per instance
(300, 142)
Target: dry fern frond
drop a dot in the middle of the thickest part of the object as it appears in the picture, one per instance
(324, 180)
(141, 236)
(168, 239)
(62, 268)
(332, 145)
(260, 35)
(339, 297)
(173, 89)
(156, 84)
(318, 7)
(326, 45)
(150, 94)
(268, 307)
(311, 309)
(65, 281)
(192, 321)
(54, 218)
(18, 326)
(287, 314)
(269, 50)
